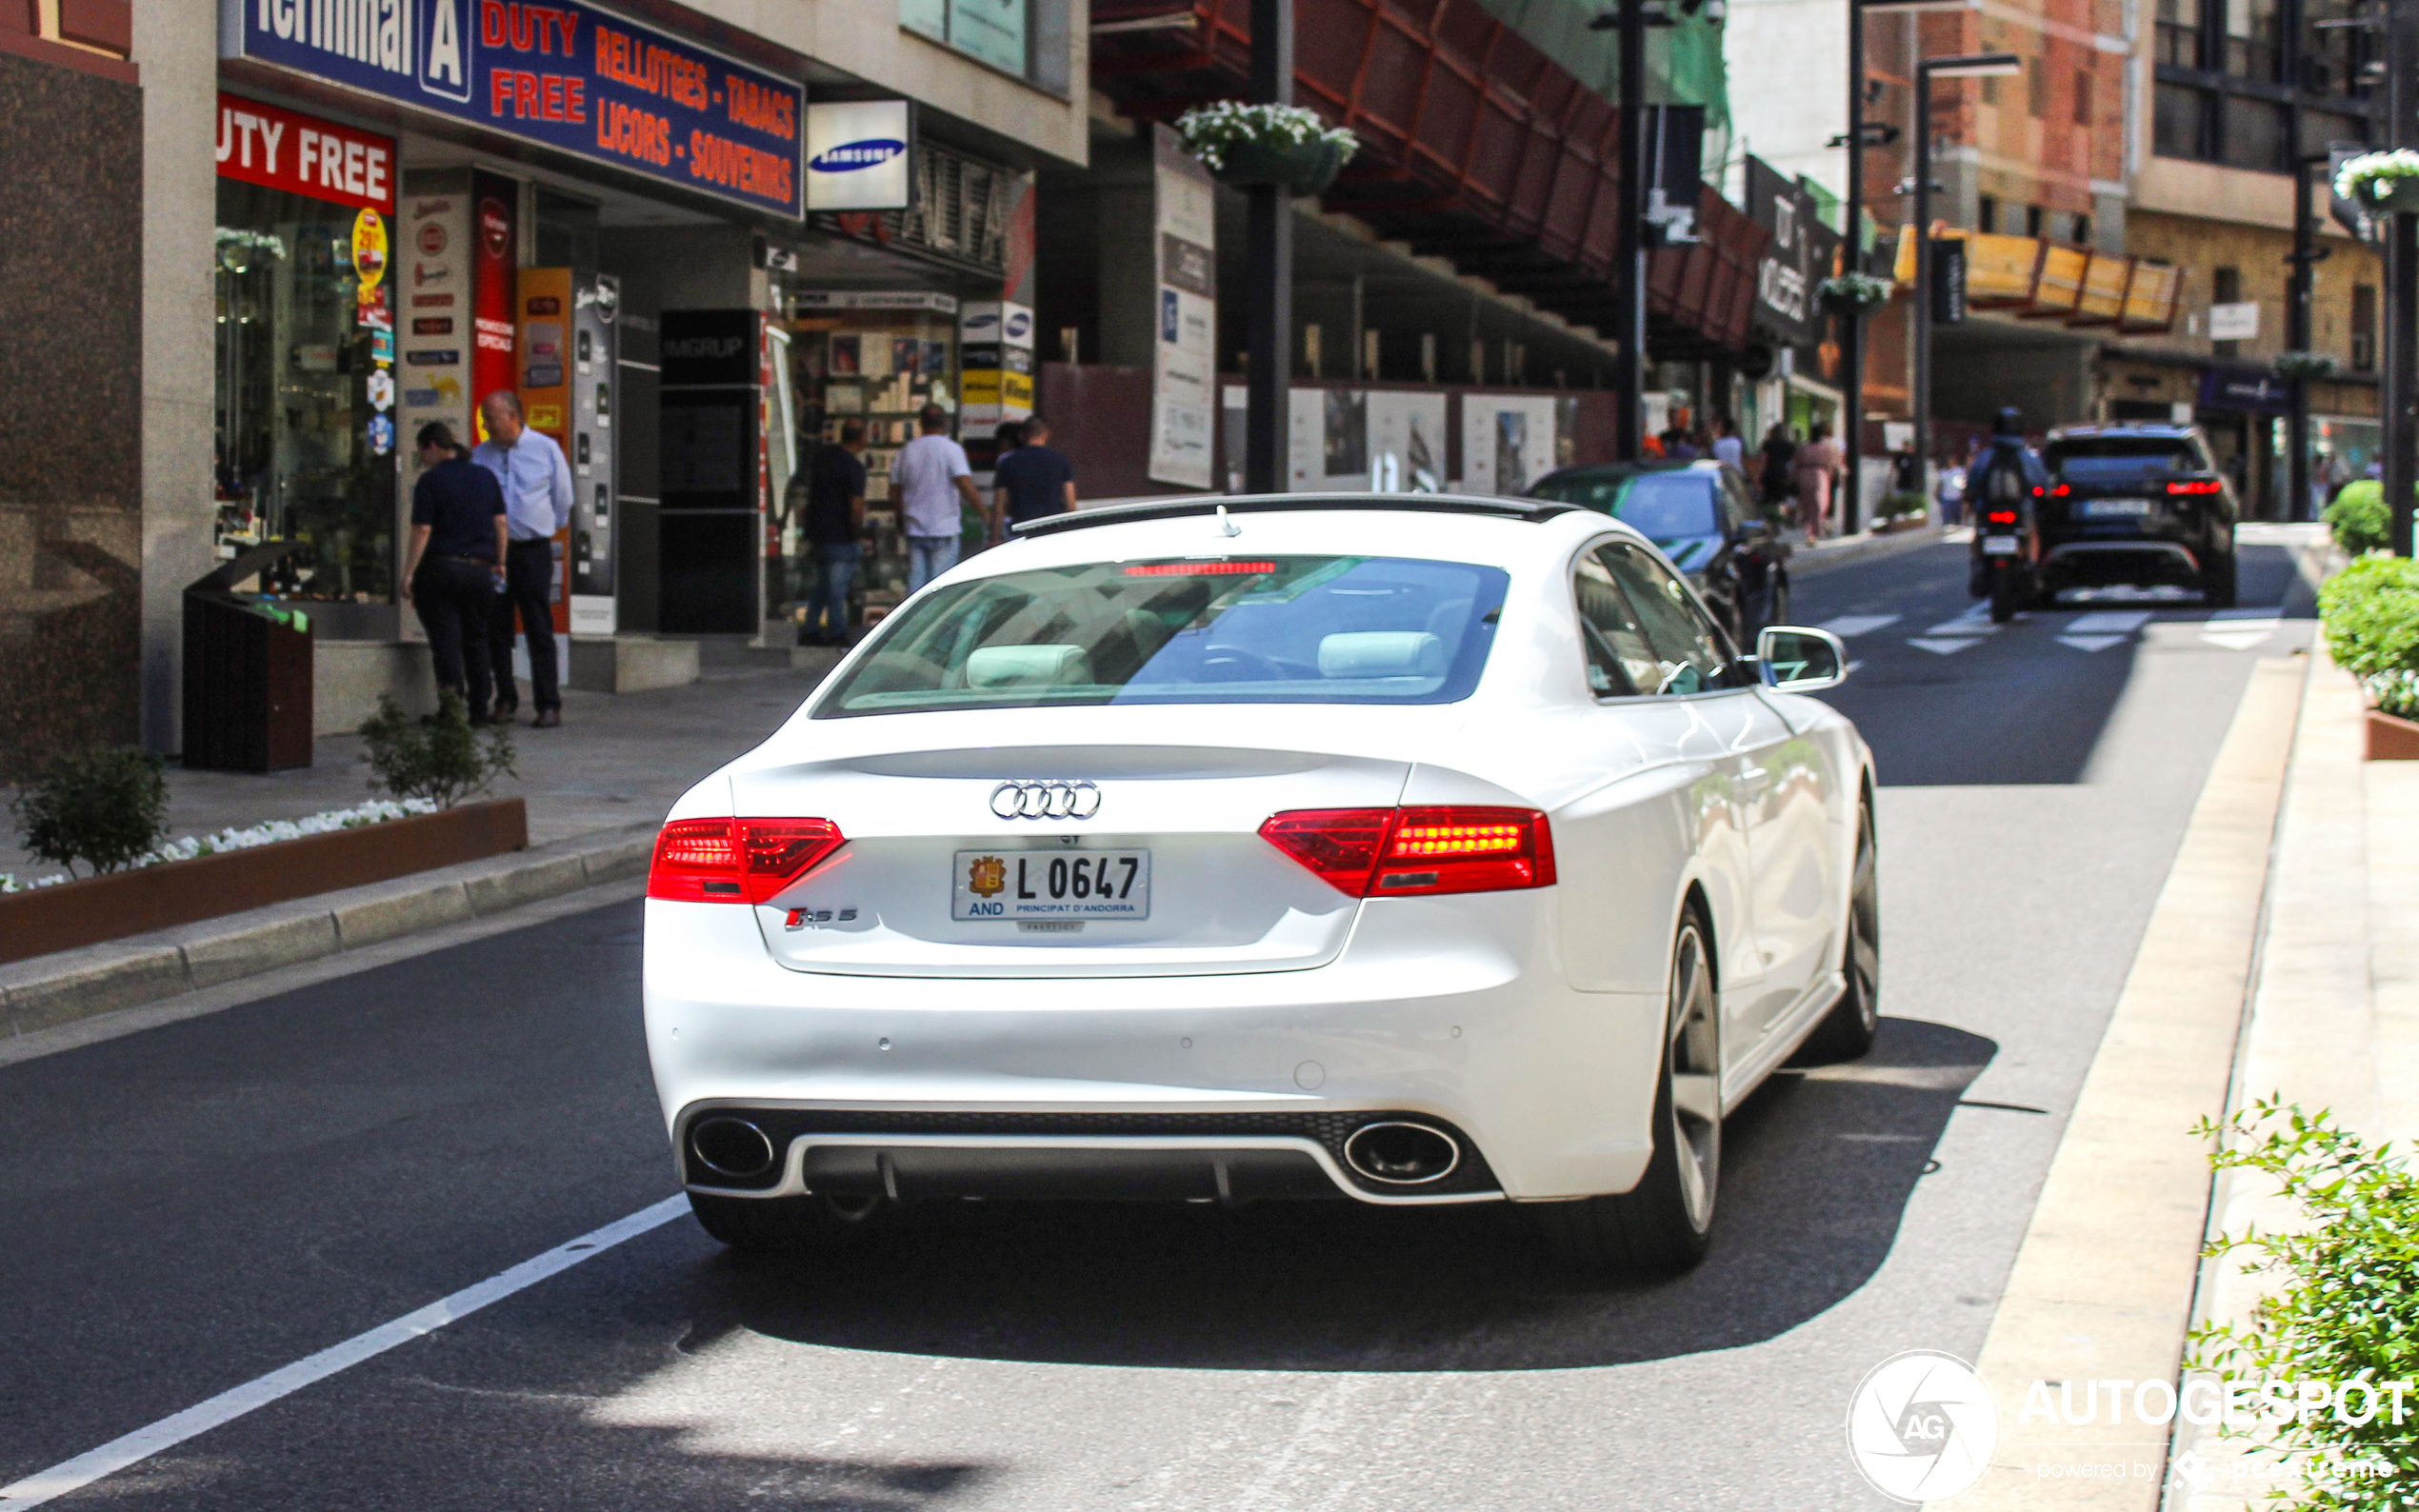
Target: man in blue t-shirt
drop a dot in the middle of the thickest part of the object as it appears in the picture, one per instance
(1033, 481)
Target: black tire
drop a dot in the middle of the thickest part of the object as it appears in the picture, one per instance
(2218, 586)
(1663, 1224)
(1847, 1032)
(2008, 591)
(779, 1224)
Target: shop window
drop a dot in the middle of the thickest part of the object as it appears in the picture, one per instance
(2179, 33)
(2364, 328)
(2255, 135)
(2180, 123)
(301, 451)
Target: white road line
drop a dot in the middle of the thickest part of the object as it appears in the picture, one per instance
(1938, 646)
(2109, 623)
(1975, 620)
(228, 1405)
(2238, 635)
(2090, 643)
(1848, 627)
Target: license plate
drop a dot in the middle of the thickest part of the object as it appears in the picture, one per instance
(2002, 545)
(1059, 884)
(2114, 508)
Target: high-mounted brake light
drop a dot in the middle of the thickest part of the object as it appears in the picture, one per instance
(1198, 569)
(2205, 486)
(736, 860)
(1401, 852)
(2003, 517)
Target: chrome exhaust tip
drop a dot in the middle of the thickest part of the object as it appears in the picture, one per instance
(731, 1148)
(1399, 1154)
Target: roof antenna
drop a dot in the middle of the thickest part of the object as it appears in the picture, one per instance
(1227, 527)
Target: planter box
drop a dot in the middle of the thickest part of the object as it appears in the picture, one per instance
(1305, 167)
(92, 909)
(2390, 196)
(2391, 738)
(1902, 523)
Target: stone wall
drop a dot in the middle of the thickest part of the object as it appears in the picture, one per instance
(71, 430)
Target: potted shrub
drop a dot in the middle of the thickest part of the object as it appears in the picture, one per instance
(2370, 613)
(2387, 182)
(2357, 515)
(1854, 293)
(1250, 145)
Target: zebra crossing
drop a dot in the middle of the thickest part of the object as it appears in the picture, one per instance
(2089, 632)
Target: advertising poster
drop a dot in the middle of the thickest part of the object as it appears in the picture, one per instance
(493, 258)
(1184, 364)
(544, 382)
(568, 76)
(1407, 442)
(1508, 442)
(428, 297)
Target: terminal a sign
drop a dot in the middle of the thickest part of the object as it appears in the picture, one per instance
(567, 75)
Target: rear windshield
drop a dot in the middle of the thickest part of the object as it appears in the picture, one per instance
(1294, 630)
(2113, 459)
(1663, 506)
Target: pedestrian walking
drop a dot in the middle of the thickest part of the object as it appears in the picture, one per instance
(537, 502)
(835, 525)
(1727, 445)
(1950, 491)
(1033, 481)
(1817, 466)
(1780, 458)
(452, 566)
(935, 487)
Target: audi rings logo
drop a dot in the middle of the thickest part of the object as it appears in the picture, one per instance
(1046, 800)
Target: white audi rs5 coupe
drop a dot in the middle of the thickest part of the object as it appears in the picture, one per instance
(1397, 848)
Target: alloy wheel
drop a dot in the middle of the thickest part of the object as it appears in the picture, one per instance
(1696, 1078)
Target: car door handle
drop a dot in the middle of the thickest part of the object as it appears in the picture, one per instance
(1754, 779)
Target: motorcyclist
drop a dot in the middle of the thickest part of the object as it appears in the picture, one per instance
(2005, 478)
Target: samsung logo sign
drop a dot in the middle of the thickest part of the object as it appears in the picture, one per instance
(851, 156)
(1019, 325)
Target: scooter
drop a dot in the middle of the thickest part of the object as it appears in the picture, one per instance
(2008, 550)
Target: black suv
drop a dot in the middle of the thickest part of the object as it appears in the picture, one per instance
(1704, 517)
(2139, 505)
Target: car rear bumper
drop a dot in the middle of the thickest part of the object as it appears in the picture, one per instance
(2123, 560)
(1143, 1086)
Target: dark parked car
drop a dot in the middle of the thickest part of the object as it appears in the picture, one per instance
(1704, 517)
(2138, 504)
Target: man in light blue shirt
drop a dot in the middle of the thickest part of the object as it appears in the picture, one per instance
(537, 503)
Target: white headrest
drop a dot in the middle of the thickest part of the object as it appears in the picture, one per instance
(1028, 667)
(1381, 653)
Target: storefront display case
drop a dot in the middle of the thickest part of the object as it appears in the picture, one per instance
(880, 356)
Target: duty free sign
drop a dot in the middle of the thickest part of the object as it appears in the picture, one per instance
(565, 76)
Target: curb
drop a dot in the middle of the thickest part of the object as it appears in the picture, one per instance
(51, 991)
(1862, 548)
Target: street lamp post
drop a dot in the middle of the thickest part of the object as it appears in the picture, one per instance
(1964, 65)
(1853, 324)
(2307, 255)
(1268, 318)
(2401, 288)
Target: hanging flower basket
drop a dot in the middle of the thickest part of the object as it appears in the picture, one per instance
(2303, 365)
(1854, 293)
(2382, 181)
(1253, 145)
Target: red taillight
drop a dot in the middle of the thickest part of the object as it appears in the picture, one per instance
(2060, 491)
(736, 860)
(1197, 569)
(2204, 487)
(2038, 492)
(2003, 517)
(1396, 852)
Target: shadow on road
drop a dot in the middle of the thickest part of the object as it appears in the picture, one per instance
(1820, 1164)
(2017, 708)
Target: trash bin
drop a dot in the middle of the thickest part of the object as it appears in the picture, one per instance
(247, 680)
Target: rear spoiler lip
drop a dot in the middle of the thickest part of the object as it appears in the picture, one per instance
(1533, 512)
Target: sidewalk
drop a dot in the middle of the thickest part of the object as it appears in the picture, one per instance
(2334, 1014)
(617, 760)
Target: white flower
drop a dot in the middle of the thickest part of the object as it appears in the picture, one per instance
(1210, 129)
(184, 847)
(2400, 163)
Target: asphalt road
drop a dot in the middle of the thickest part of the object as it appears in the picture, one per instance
(189, 1207)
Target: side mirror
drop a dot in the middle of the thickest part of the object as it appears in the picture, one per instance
(1792, 659)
